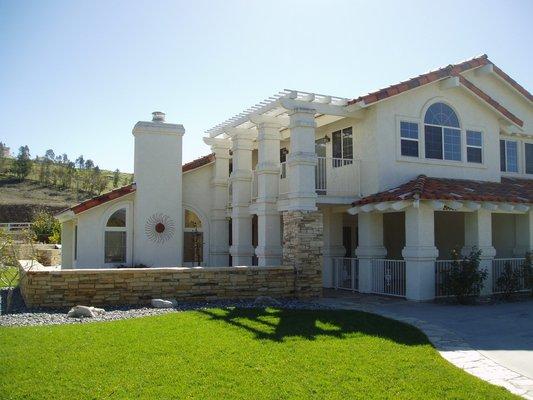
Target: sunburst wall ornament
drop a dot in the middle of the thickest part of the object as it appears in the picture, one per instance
(159, 228)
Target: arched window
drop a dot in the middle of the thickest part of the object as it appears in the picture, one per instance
(193, 239)
(442, 133)
(115, 238)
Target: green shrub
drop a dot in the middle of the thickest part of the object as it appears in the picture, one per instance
(46, 228)
(464, 278)
(528, 272)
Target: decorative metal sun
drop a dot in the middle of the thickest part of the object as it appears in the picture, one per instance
(159, 228)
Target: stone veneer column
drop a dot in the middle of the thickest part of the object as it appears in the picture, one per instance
(302, 249)
(241, 177)
(370, 234)
(219, 226)
(333, 246)
(420, 252)
(268, 250)
(478, 234)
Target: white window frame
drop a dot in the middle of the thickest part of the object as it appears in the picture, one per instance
(518, 156)
(407, 121)
(442, 127)
(128, 229)
(340, 162)
(475, 147)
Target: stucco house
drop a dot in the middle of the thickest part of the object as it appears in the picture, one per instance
(392, 181)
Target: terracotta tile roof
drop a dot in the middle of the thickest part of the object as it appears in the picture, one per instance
(125, 190)
(103, 198)
(199, 162)
(509, 190)
(448, 71)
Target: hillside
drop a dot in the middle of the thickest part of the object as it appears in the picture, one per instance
(19, 200)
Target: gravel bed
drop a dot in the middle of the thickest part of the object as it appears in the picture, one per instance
(39, 317)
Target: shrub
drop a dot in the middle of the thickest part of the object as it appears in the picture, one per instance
(509, 281)
(528, 272)
(47, 229)
(465, 279)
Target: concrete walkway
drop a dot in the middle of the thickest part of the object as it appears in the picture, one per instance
(491, 341)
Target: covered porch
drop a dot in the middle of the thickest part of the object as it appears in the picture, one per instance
(406, 236)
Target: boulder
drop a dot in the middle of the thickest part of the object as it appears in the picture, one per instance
(85, 311)
(266, 301)
(161, 303)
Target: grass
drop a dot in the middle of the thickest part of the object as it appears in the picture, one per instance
(9, 277)
(234, 354)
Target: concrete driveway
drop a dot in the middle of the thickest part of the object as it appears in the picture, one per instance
(502, 332)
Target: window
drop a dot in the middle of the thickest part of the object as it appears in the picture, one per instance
(529, 157)
(442, 133)
(508, 156)
(342, 147)
(409, 139)
(193, 239)
(115, 238)
(474, 147)
(283, 160)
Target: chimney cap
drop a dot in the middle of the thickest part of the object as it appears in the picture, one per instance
(158, 116)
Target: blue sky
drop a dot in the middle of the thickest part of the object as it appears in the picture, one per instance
(75, 76)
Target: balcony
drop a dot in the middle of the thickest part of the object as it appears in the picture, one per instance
(334, 177)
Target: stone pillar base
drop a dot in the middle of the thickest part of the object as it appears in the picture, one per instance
(302, 249)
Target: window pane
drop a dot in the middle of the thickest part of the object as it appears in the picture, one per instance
(452, 144)
(347, 143)
(511, 154)
(433, 136)
(441, 114)
(473, 155)
(529, 158)
(192, 220)
(193, 246)
(115, 247)
(337, 144)
(408, 130)
(117, 219)
(502, 156)
(473, 138)
(409, 148)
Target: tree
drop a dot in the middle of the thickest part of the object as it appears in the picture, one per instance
(80, 162)
(22, 165)
(50, 155)
(2, 156)
(116, 178)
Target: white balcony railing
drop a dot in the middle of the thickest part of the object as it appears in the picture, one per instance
(345, 273)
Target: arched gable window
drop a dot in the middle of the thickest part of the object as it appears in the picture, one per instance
(442, 133)
(193, 238)
(115, 238)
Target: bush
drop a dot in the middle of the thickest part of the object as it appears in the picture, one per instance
(510, 280)
(464, 278)
(47, 229)
(528, 272)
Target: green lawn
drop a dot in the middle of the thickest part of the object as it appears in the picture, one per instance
(233, 354)
(9, 277)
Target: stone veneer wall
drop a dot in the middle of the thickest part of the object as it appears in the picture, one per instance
(65, 288)
(303, 240)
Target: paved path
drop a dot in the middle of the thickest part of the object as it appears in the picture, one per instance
(491, 341)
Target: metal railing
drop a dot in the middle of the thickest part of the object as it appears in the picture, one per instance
(345, 273)
(13, 227)
(498, 268)
(442, 268)
(388, 277)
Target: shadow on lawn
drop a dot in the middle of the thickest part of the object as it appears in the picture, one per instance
(279, 324)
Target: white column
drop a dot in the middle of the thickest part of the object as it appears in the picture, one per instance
(333, 246)
(478, 234)
(158, 197)
(524, 234)
(241, 177)
(370, 233)
(219, 226)
(420, 252)
(67, 244)
(302, 160)
(268, 249)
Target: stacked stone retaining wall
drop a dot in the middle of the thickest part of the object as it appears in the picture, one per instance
(65, 288)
